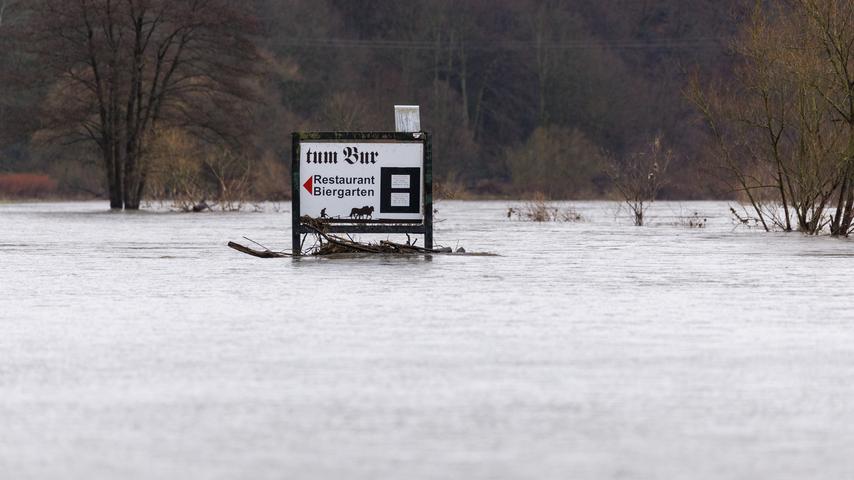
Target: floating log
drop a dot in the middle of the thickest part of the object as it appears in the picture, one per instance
(257, 253)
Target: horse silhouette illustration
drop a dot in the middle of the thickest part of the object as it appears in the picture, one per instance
(362, 213)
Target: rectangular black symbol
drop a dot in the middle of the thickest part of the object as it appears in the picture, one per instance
(400, 190)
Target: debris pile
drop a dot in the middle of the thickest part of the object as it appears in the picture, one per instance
(328, 244)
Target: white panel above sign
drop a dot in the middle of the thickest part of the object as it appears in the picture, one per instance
(407, 118)
(361, 180)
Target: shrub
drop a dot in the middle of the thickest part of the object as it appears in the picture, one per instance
(558, 162)
(198, 176)
(26, 185)
(639, 177)
(539, 210)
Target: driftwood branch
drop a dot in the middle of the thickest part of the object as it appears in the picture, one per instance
(257, 253)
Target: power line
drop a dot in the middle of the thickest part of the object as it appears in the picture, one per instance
(693, 44)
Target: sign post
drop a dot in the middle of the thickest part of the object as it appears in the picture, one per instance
(362, 182)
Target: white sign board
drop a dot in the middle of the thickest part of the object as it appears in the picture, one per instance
(361, 180)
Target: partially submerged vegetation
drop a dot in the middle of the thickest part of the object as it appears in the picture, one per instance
(538, 209)
(194, 176)
(695, 220)
(639, 177)
(784, 125)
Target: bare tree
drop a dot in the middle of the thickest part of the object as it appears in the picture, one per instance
(639, 177)
(830, 24)
(784, 127)
(344, 111)
(550, 22)
(4, 7)
(121, 69)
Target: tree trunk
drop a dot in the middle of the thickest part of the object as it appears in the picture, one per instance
(114, 176)
(130, 197)
(541, 70)
(464, 84)
(133, 193)
(848, 214)
(115, 194)
(842, 218)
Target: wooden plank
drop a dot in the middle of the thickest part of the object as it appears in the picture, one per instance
(369, 222)
(369, 229)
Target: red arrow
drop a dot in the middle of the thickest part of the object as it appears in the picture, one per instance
(308, 184)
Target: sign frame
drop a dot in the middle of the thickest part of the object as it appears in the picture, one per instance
(356, 226)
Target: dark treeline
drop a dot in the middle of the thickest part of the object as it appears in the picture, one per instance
(522, 96)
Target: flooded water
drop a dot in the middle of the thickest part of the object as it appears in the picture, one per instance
(138, 346)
